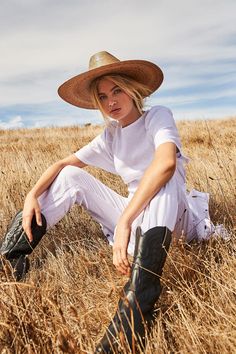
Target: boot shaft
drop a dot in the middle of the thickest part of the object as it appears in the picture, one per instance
(149, 257)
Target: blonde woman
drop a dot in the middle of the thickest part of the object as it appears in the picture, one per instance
(144, 148)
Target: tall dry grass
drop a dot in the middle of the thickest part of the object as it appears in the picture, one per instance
(71, 293)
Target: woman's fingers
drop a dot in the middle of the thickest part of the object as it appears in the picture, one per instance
(120, 261)
(31, 208)
(27, 226)
(124, 257)
(121, 241)
(38, 217)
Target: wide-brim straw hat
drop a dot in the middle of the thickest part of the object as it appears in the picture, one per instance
(77, 89)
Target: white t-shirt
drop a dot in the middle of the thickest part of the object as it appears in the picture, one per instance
(128, 151)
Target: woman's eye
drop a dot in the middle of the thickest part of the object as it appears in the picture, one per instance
(118, 90)
(101, 98)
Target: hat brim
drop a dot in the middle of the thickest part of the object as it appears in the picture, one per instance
(76, 90)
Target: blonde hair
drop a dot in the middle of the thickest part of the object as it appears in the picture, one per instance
(136, 90)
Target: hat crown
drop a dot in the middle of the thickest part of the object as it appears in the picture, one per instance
(100, 59)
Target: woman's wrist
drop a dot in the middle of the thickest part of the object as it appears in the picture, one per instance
(125, 220)
(32, 194)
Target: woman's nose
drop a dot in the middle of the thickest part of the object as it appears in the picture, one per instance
(112, 103)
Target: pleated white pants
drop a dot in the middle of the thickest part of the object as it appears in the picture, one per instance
(170, 207)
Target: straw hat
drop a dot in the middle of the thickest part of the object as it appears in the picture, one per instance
(77, 89)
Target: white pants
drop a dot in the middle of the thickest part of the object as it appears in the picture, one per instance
(169, 207)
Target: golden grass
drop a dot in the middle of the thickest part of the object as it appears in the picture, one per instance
(72, 290)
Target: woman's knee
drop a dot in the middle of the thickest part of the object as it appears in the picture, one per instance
(74, 180)
(71, 173)
(65, 191)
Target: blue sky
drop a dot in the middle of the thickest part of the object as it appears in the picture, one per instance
(45, 42)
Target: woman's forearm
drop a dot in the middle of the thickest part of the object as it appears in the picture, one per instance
(153, 180)
(155, 177)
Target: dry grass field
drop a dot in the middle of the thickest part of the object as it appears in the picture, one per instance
(71, 293)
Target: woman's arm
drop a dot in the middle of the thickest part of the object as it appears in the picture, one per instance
(31, 205)
(155, 177)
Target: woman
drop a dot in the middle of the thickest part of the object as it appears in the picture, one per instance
(144, 148)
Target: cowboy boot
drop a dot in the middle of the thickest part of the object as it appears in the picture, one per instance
(136, 307)
(16, 246)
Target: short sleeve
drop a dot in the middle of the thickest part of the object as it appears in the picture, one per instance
(161, 126)
(98, 152)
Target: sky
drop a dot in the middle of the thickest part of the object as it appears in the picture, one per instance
(45, 42)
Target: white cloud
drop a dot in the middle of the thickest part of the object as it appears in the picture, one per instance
(12, 123)
(204, 113)
(52, 41)
(66, 119)
(194, 97)
(64, 35)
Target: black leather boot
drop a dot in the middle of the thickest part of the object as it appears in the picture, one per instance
(16, 246)
(135, 308)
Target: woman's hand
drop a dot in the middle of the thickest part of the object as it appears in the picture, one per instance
(31, 208)
(122, 236)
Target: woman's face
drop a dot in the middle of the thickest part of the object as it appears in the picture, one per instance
(116, 103)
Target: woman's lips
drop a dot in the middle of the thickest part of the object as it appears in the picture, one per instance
(116, 110)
